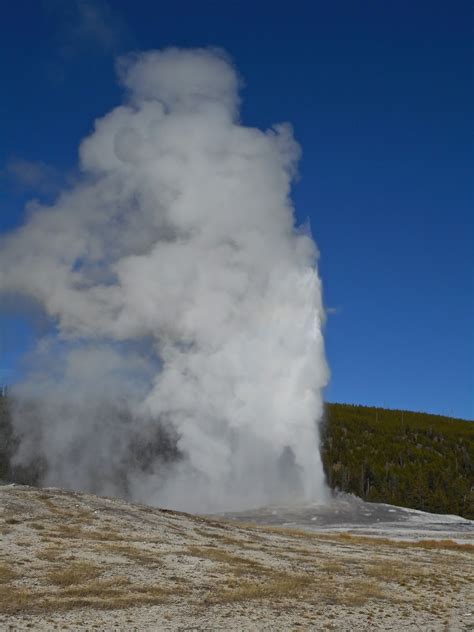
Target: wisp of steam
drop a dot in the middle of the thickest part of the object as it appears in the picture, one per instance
(184, 365)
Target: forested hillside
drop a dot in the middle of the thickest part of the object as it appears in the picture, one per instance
(402, 458)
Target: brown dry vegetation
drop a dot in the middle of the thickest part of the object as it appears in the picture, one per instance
(274, 589)
(70, 555)
(7, 574)
(73, 573)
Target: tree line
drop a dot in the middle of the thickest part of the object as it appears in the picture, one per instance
(402, 458)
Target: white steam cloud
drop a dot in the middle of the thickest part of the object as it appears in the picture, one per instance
(187, 364)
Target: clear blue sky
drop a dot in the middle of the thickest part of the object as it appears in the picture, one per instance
(380, 95)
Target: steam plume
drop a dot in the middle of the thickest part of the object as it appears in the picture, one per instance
(187, 363)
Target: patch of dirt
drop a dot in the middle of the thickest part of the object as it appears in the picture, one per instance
(75, 561)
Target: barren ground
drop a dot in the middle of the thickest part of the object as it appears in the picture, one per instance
(79, 562)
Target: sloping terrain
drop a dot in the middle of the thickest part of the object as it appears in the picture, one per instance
(75, 561)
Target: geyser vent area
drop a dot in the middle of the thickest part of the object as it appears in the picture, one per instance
(185, 362)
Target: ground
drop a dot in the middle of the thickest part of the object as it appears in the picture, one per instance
(72, 561)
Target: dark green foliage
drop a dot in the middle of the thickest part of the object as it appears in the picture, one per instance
(402, 458)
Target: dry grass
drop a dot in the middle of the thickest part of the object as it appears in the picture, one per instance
(99, 588)
(445, 545)
(132, 597)
(402, 574)
(84, 516)
(358, 593)
(107, 535)
(388, 573)
(257, 544)
(37, 526)
(99, 595)
(304, 550)
(135, 554)
(7, 574)
(331, 567)
(50, 554)
(239, 565)
(77, 532)
(74, 573)
(291, 586)
(13, 599)
(46, 500)
(67, 531)
(281, 586)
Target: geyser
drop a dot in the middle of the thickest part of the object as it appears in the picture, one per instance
(186, 363)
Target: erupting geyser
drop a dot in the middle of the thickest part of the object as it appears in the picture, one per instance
(186, 364)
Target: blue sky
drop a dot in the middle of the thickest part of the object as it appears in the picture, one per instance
(380, 96)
